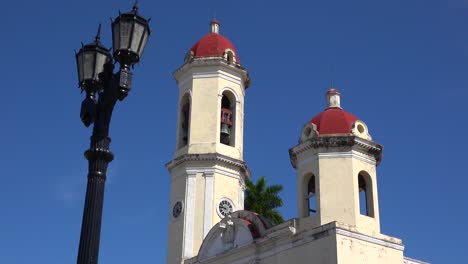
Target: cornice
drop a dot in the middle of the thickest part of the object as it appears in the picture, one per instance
(337, 141)
(214, 61)
(215, 157)
(370, 239)
(407, 260)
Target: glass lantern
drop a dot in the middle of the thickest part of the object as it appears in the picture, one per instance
(90, 61)
(130, 33)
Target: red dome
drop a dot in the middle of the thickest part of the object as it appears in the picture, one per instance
(334, 121)
(211, 45)
(333, 91)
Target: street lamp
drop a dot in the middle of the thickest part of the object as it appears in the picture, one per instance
(130, 32)
(103, 88)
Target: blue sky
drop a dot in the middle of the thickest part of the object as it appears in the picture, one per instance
(400, 65)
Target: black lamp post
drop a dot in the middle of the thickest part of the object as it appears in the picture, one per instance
(96, 77)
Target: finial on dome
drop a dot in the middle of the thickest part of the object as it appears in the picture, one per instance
(333, 98)
(214, 26)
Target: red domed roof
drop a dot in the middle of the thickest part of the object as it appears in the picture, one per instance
(213, 44)
(333, 91)
(334, 120)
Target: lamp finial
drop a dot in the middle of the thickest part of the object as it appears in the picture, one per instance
(98, 34)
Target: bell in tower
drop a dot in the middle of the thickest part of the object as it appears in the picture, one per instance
(226, 121)
(336, 162)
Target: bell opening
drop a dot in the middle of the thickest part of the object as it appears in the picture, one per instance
(227, 116)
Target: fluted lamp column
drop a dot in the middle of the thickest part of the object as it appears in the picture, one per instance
(103, 88)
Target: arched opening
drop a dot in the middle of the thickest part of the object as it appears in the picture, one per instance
(184, 121)
(230, 57)
(311, 197)
(188, 56)
(228, 110)
(366, 203)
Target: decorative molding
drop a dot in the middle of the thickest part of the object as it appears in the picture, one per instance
(209, 192)
(407, 260)
(227, 88)
(336, 155)
(189, 215)
(242, 189)
(214, 61)
(209, 157)
(187, 92)
(366, 238)
(337, 141)
(211, 170)
(333, 155)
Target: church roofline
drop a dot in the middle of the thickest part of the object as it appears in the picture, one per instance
(334, 141)
(283, 237)
(407, 260)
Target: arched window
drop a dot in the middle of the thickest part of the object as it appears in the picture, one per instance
(229, 56)
(184, 121)
(366, 203)
(311, 197)
(228, 110)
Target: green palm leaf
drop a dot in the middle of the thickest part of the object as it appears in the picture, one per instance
(263, 199)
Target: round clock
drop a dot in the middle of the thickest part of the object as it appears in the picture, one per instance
(177, 209)
(225, 207)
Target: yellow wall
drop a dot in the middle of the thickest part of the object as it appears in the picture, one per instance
(205, 85)
(336, 191)
(175, 224)
(321, 251)
(355, 251)
(337, 194)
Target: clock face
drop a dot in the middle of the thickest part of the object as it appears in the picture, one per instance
(225, 207)
(177, 209)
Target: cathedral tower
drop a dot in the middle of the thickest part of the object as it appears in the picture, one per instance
(338, 221)
(336, 163)
(208, 171)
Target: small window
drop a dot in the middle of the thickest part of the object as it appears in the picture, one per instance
(225, 207)
(311, 197)
(360, 128)
(366, 205)
(229, 56)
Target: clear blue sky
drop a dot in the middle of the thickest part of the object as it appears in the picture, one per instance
(401, 66)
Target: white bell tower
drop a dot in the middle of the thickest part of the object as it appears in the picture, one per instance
(208, 170)
(336, 162)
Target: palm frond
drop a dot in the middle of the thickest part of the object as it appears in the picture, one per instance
(264, 199)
